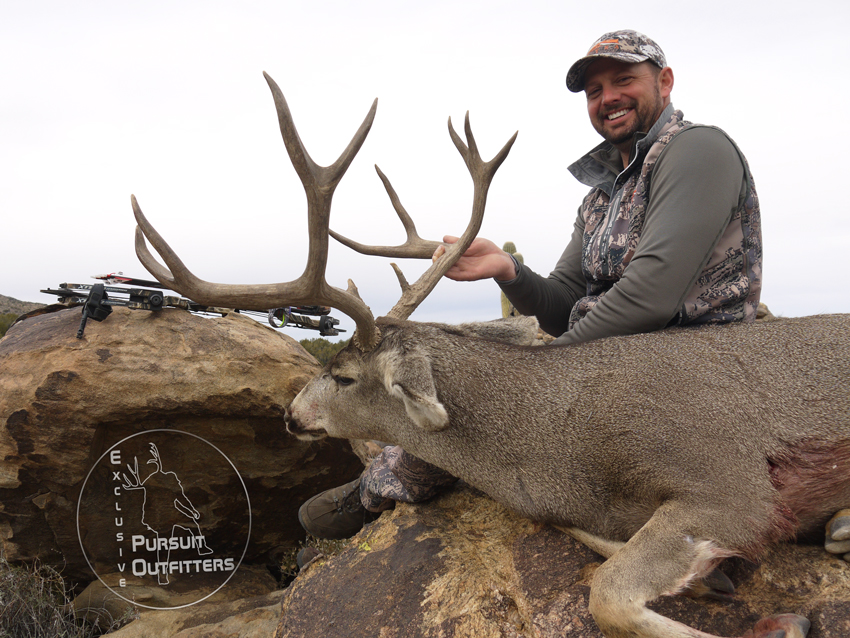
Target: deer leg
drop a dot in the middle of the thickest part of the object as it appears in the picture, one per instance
(715, 585)
(663, 559)
(838, 534)
(602, 546)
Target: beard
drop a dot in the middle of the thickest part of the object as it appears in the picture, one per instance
(646, 115)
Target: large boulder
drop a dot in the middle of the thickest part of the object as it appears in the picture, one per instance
(464, 566)
(147, 405)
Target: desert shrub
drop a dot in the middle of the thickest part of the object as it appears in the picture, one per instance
(6, 320)
(35, 603)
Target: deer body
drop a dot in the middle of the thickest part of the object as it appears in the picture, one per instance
(742, 419)
(664, 452)
(688, 445)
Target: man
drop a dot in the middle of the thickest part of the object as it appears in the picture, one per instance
(669, 235)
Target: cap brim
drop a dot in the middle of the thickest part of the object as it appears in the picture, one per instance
(575, 76)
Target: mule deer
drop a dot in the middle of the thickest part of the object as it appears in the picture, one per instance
(665, 452)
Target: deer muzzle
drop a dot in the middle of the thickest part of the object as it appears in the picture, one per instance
(297, 428)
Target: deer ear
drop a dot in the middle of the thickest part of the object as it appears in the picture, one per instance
(409, 378)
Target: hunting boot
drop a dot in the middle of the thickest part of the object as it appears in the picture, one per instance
(336, 513)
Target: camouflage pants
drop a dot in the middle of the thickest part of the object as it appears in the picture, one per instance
(395, 475)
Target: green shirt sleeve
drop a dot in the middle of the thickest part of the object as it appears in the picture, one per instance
(697, 184)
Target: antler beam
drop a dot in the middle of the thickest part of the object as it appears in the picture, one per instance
(482, 175)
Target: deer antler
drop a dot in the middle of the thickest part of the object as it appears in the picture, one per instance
(415, 247)
(310, 288)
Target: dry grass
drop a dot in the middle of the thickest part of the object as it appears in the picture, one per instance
(35, 603)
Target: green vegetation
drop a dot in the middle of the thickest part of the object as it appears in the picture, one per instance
(35, 603)
(288, 565)
(6, 320)
(323, 349)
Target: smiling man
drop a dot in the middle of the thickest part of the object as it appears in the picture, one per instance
(669, 234)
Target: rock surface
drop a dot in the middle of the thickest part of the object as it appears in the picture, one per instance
(248, 606)
(244, 618)
(464, 566)
(64, 402)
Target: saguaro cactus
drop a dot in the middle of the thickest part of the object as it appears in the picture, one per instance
(508, 309)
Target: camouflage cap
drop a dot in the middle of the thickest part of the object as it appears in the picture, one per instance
(625, 45)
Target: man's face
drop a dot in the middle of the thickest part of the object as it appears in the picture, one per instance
(623, 98)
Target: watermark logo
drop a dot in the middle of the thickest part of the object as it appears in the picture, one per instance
(165, 512)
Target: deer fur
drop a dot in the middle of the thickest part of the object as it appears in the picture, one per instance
(670, 450)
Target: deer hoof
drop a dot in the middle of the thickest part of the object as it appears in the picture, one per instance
(838, 534)
(781, 626)
(838, 527)
(716, 586)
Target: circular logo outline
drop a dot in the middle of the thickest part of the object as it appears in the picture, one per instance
(80, 499)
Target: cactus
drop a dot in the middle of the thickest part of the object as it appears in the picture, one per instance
(508, 309)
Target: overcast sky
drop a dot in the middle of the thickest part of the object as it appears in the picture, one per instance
(166, 100)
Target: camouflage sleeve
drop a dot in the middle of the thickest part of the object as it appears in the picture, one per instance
(550, 299)
(697, 185)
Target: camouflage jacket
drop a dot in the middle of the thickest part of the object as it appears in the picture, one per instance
(673, 239)
(729, 285)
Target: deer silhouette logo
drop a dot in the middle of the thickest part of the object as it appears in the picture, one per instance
(165, 514)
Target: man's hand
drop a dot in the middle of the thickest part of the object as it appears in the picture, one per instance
(482, 260)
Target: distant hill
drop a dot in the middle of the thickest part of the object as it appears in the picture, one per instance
(17, 307)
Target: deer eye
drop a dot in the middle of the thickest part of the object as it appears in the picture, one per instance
(340, 380)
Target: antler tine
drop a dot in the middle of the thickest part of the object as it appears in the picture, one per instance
(327, 177)
(143, 229)
(471, 156)
(310, 288)
(414, 246)
(482, 174)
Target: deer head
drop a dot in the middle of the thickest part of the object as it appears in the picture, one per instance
(311, 287)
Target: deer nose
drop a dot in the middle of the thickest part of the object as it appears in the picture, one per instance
(290, 421)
